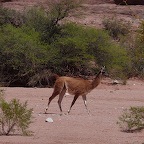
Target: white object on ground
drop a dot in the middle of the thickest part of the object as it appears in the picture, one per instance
(49, 120)
(115, 82)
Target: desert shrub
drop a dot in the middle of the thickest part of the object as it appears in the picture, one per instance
(34, 50)
(138, 60)
(24, 54)
(43, 78)
(39, 19)
(134, 44)
(79, 45)
(24, 57)
(116, 27)
(70, 57)
(14, 117)
(132, 119)
(70, 49)
(8, 16)
(36, 18)
(4, 15)
(107, 52)
(141, 31)
(139, 51)
(47, 22)
(21, 53)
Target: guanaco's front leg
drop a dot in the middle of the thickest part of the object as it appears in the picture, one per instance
(85, 103)
(73, 102)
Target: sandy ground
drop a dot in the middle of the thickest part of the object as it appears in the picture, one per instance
(105, 103)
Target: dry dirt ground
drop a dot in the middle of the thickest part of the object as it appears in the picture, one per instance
(105, 103)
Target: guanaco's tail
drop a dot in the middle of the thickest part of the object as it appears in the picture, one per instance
(56, 76)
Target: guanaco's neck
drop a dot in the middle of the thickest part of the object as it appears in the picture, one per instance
(97, 80)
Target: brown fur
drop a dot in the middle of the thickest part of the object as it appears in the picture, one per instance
(74, 86)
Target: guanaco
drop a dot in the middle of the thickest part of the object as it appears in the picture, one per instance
(74, 86)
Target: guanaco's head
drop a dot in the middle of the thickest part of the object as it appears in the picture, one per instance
(102, 71)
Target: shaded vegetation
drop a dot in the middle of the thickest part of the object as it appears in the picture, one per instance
(134, 44)
(36, 44)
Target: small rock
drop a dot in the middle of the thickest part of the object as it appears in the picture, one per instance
(49, 120)
(115, 82)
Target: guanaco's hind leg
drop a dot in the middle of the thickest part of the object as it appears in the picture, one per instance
(61, 95)
(54, 94)
(73, 102)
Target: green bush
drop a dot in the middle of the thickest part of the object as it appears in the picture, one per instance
(33, 51)
(22, 54)
(8, 16)
(47, 22)
(141, 32)
(40, 21)
(37, 19)
(132, 119)
(79, 45)
(138, 60)
(134, 44)
(24, 57)
(116, 27)
(70, 51)
(109, 53)
(139, 51)
(14, 117)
